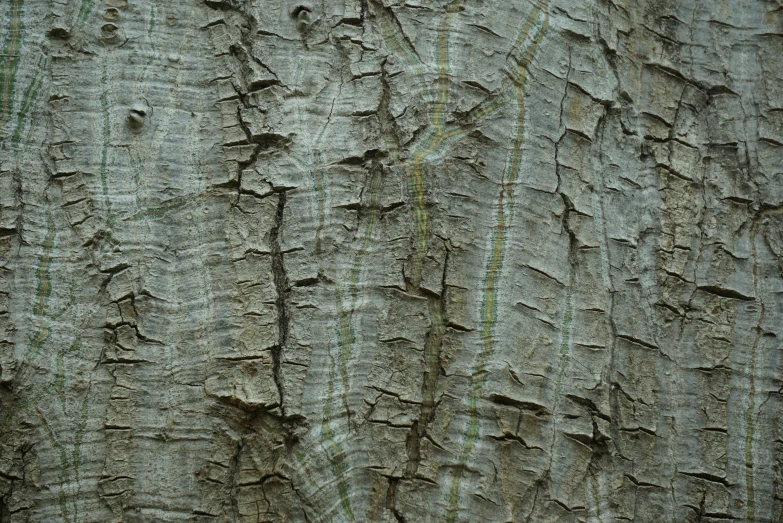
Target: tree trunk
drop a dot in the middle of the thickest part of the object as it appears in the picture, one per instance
(386, 261)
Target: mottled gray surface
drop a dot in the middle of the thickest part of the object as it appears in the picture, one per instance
(386, 261)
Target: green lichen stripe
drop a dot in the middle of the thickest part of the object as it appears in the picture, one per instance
(10, 59)
(334, 451)
(106, 133)
(437, 137)
(565, 335)
(749, 424)
(346, 334)
(84, 12)
(64, 467)
(43, 291)
(30, 95)
(503, 221)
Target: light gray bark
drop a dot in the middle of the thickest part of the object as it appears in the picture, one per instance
(391, 261)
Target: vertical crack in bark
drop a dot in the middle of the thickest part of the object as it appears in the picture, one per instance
(418, 191)
(282, 289)
(333, 447)
(565, 331)
(567, 314)
(391, 31)
(436, 138)
(4, 516)
(233, 480)
(433, 368)
(603, 240)
(391, 500)
(386, 119)
(572, 245)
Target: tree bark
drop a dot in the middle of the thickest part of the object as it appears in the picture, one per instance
(386, 261)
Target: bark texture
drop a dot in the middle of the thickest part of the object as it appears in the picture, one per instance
(391, 261)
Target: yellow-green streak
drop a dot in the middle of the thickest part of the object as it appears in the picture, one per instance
(56, 384)
(389, 34)
(749, 423)
(347, 338)
(10, 60)
(346, 334)
(105, 144)
(148, 63)
(565, 334)
(20, 406)
(320, 190)
(503, 221)
(27, 102)
(43, 292)
(64, 475)
(84, 12)
(152, 24)
(336, 459)
(59, 380)
(751, 516)
(155, 213)
(356, 268)
(77, 456)
(437, 137)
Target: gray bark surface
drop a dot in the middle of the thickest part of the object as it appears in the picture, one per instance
(391, 261)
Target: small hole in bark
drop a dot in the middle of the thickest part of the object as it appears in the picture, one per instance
(137, 115)
(61, 33)
(111, 14)
(301, 10)
(109, 31)
(302, 13)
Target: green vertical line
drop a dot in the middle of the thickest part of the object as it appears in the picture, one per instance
(565, 335)
(64, 474)
(10, 59)
(43, 291)
(77, 453)
(60, 380)
(337, 456)
(390, 36)
(152, 24)
(347, 339)
(29, 97)
(347, 334)
(503, 221)
(134, 161)
(105, 145)
(749, 413)
(332, 448)
(315, 170)
(84, 12)
(320, 192)
(54, 385)
(416, 184)
(374, 206)
(749, 423)
(145, 68)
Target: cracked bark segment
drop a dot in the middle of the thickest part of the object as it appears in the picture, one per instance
(372, 260)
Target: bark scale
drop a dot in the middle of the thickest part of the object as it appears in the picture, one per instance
(367, 260)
